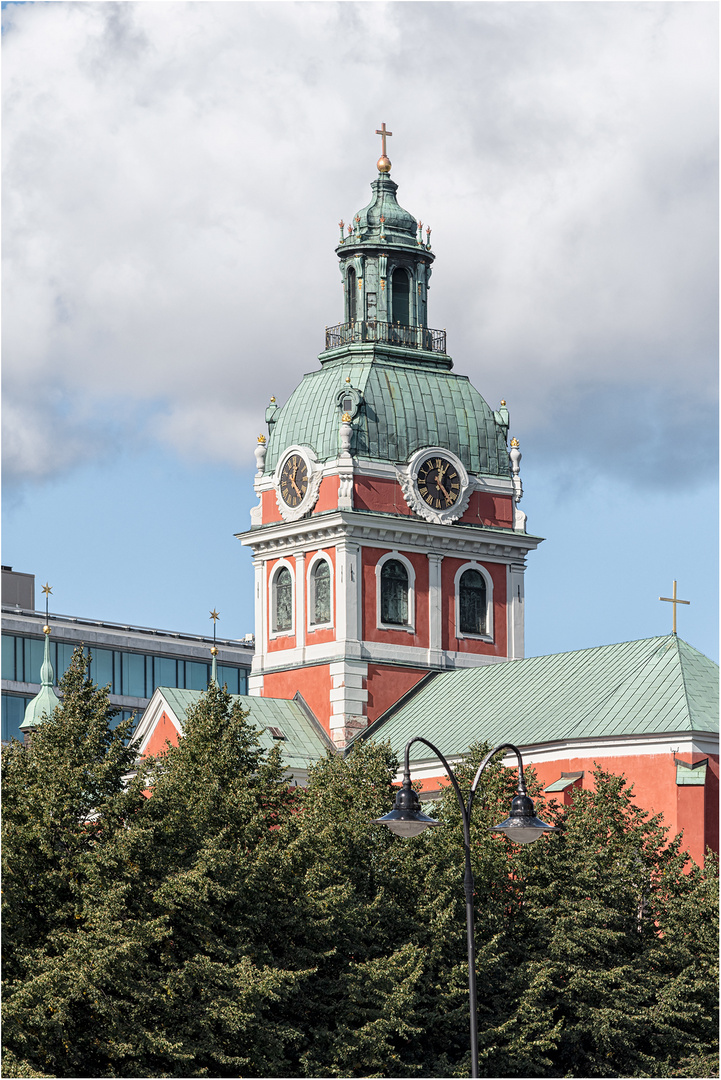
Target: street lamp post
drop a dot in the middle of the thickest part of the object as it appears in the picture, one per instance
(406, 819)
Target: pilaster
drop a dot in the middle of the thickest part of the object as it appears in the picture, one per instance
(348, 700)
(515, 576)
(435, 610)
(299, 557)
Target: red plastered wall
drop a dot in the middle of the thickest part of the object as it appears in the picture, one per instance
(164, 732)
(492, 510)
(328, 494)
(312, 682)
(691, 810)
(386, 685)
(380, 493)
(269, 503)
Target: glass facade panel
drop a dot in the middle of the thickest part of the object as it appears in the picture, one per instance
(472, 599)
(131, 674)
(101, 668)
(13, 711)
(230, 676)
(196, 675)
(8, 664)
(133, 665)
(165, 672)
(394, 593)
(321, 593)
(34, 653)
(63, 656)
(283, 600)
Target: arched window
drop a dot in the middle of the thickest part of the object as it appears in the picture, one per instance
(472, 602)
(351, 290)
(283, 599)
(394, 593)
(400, 299)
(320, 593)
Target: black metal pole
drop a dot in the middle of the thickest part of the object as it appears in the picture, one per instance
(468, 882)
(469, 887)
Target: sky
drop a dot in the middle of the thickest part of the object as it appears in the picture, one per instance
(174, 174)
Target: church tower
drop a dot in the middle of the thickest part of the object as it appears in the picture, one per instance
(387, 541)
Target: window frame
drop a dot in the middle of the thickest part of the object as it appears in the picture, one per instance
(463, 634)
(274, 632)
(410, 626)
(318, 557)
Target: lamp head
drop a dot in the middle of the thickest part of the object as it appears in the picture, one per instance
(523, 826)
(406, 818)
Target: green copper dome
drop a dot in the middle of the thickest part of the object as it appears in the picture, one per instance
(404, 406)
(398, 225)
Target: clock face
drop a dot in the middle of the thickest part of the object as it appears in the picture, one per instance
(439, 484)
(293, 480)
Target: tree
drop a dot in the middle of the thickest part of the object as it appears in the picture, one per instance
(136, 930)
(231, 925)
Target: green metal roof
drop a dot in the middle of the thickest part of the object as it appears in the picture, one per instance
(653, 686)
(406, 406)
(304, 741)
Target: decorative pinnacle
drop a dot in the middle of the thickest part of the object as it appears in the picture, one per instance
(347, 378)
(503, 401)
(346, 418)
(46, 589)
(214, 616)
(384, 164)
(261, 438)
(46, 629)
(214, 651)
(514, 442)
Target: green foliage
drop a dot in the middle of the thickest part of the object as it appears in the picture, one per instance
(230, 925)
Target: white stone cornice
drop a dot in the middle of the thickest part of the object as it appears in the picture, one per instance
(699, 742)
(498, 545)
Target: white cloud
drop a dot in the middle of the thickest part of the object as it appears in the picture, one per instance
(174, 174)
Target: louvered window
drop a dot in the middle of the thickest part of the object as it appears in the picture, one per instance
(401, 298)
(351, 291)
(283, 600)
(472, 599)
(394, 593)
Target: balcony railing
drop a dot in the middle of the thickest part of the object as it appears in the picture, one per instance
(410, 337)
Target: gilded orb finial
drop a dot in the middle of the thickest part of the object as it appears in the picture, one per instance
(272, 400)
(384, 164)
(347, 378)
(46, 629)
(503, 401)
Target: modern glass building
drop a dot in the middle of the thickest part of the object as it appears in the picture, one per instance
(132, 660)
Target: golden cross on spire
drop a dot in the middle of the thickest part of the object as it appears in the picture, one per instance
(383, 133)
(674, 600)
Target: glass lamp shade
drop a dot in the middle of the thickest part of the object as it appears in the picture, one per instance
(523, 827)
(406, 822)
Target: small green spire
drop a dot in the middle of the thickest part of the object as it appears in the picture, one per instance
(44, 703)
